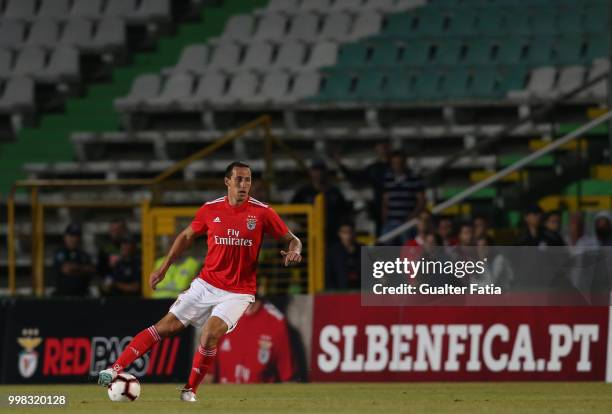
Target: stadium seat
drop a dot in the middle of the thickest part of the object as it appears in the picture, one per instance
(400, 25)
(570, 22)
(176, 88)
(151, 11)
(274, 87)
(568, 50)
(456, 83)
(336, 27)
(337, 87)
(322, 54)
(110, 35)
(319, 6)
(598, 46)
(144, 88)
(211, 87)
(290, 56)
(511, 50)
(599, 90)
(371, 86)
(518, 22)
(491, 22)
(12, 33)
(304, 27)
(305, 85)
(44, 33)
(20, 10)
(242, 86)
(258, 57)
(120, 8)
(77, 33)
(29, 62)
(63, 67)
(385, 54)
(449, 52)
(271, 28)
(596, 19)
(225, 57)
(570, 78)
(86, 9)
(540, 51)
(485, 83)
(353, 54)
(282, 6)
(6, 63)
(239, 28)
(401, 84)
(193, 60)
(18, 96)
(53, 9)
(512, 77)
(463, 23)
(347, 5)
(416, 53)
(379, 5)
(540, 84)
(543, 24)
(403, 5)
(366, 24)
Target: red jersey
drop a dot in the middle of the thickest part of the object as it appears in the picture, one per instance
(234, 239)
(257, 350)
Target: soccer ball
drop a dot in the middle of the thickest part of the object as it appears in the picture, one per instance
(124, 388)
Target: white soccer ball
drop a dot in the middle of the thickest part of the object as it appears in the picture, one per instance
(124, 388)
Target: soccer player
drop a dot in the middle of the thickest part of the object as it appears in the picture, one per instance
(226, 285)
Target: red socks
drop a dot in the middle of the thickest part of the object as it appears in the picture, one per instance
(141, 343)
(201, 361)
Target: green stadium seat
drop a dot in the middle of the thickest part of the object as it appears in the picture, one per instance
(569, 21)
(492, 22)
(479, 52)
(400, 86)
(416, 53)
(372, 85)
(512, 78)
(448, 52)
(511, 50)
(597, 46)
(519, 22)
(569, 50)
(353, 54)
(484, 83)
(428, 86)
(385, 54)
(589, 188)
(596, 18)
(463, 23)
(399, 25)
(543, 23)
(542, 162)
(338, 86)
(540, 51)
(456, 82)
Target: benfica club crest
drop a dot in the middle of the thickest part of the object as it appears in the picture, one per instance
(251, 222)
(28, 357)
(265, 346)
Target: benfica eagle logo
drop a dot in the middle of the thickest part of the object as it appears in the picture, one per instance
(251, 222)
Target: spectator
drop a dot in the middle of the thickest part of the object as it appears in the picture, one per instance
(404, 196)
(531, 234)
(603, 232)
(178, 277)
(481, 227)
(257, 350)
(343, 267)
(445, 231)
(576, 228)
(125, 276)
(498, 270)
(551, 235)
(73, 266)
(335, 205)
(374, 175)
(464, 249)
(424, 228)
(109, 253)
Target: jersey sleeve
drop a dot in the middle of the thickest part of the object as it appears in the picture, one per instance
(275, 226)
(198, 224)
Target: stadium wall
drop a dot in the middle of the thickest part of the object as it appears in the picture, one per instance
(334, 338)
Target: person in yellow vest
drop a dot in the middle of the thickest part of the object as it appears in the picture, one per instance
(178, 277)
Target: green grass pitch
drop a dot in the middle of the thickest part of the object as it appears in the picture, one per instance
(380, 398)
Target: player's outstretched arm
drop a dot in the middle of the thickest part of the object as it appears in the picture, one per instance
(293, 255)
(182, 242)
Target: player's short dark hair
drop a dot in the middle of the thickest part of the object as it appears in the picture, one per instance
(230, 168)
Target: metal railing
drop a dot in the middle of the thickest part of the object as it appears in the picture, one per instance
(541, 112)
(37, 233)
